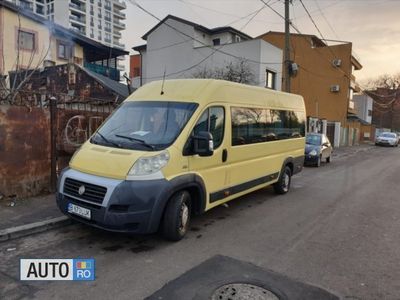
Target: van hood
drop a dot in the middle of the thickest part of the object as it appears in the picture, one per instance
(105, 161)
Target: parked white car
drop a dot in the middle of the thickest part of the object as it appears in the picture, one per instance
(387, 139)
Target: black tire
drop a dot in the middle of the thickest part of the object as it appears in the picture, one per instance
(282, 186)
(318, 163)
(328, 159)
(176, 218)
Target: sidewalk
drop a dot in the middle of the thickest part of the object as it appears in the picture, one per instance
(346, 151)
(21, 217)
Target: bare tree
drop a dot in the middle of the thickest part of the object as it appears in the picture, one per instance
(11, 86)
(383, 81)
(237, 71)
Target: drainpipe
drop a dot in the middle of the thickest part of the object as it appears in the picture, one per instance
(141, 68)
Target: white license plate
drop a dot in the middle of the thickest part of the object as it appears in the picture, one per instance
(80, 211)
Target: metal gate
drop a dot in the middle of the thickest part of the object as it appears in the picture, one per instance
(72, 123)
(330, 132)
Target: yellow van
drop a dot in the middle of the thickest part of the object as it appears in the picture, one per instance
(181, 147)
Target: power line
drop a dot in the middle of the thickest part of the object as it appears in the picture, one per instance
(326, 20)
(276, 12)
(201, 42)
(227, 14)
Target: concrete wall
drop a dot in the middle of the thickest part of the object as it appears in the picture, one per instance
(363, 103)
(24, 151)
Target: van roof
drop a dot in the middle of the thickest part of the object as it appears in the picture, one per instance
(205, 91)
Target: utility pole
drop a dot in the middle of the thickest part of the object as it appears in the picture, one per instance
(287, 47)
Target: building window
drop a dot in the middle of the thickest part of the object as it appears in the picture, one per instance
(63, 50)
(237, 39)
(369, 113)
(26, 40)
(351, 93)
(216, 42)
(270, 79)
(108, 16)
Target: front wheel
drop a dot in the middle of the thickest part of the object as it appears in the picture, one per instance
(176, 216)
(283, 184)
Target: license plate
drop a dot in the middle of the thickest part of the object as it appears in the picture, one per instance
(79, 211)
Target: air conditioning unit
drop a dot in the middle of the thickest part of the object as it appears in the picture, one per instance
(335, 88)
(337, 62)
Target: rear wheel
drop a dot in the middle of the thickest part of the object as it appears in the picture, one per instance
(177, 216)
(282, 186)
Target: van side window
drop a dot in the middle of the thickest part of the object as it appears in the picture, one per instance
(257, 125)
(212, 120)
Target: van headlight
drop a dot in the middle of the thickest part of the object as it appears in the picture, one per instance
(313, 152)
(149, 165)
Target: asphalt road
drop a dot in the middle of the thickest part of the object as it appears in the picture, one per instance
(338, 228)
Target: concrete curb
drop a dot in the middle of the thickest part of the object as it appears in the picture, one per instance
(28, 229)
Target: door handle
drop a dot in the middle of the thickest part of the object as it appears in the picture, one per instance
(224, 155)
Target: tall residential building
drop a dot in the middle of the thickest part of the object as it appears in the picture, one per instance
(100, 20)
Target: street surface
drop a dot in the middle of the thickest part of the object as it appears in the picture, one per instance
(338, 228)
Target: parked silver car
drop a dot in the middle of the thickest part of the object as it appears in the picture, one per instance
(387, 139)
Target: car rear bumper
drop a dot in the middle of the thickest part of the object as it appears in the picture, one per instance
(310, 159)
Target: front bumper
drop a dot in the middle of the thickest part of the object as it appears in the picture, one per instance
(385, 143)
(128, 206)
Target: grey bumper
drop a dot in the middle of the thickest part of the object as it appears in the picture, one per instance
(127, 206)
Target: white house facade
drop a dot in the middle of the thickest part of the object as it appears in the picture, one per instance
(181, 49)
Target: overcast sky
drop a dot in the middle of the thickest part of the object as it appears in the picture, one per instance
(373, 26)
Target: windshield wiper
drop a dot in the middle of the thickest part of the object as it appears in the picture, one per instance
(136, 140)
(108, 141)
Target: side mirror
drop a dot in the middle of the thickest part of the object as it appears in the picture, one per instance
(203, 144)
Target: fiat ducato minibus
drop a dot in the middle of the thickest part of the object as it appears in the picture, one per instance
(178, 148)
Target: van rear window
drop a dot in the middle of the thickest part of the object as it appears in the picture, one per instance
(258, 125)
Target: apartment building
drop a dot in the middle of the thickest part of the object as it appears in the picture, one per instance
(100, 20)
(325, 78)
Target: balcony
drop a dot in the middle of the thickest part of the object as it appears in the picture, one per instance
(112, 73)
(119, 14)
(79, 30)
(119, 25)
(78, 8)
(117, 34)
(120, 4)
(77, 19)
(118, 45)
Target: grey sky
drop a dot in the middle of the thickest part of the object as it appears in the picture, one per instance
(373, 26)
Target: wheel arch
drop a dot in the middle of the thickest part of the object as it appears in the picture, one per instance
(191, 183)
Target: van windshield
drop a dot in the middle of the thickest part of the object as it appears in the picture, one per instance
(144, 125)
